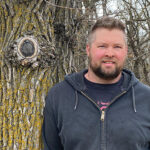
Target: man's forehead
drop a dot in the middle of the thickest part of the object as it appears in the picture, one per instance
(104, 35)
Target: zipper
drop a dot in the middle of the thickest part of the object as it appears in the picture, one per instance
(115, 98)
(90, 99)
(102, 118)
(103, 133)
(103, 115)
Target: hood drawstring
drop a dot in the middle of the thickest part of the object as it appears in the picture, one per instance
(76, 100)
(133, 99)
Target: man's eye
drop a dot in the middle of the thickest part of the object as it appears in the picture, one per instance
(118, 47)
(102, 46)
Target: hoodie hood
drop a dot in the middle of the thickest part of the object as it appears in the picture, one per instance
(76, 80)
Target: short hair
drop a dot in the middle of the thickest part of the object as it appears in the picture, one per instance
(107, 23)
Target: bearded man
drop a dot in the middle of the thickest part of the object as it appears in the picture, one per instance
(104, 107)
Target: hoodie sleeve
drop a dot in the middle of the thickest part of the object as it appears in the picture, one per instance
(50, 134)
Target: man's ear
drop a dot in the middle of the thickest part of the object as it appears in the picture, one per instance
(87, 49)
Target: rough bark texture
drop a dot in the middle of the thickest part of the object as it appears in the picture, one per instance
(55, 27)
(24, 82)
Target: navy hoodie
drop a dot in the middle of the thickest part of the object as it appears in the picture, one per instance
(73, 121)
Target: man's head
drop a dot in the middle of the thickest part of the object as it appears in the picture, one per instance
(106, 50)
(107, 23)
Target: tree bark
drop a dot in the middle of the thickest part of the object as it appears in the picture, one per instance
(40, 42)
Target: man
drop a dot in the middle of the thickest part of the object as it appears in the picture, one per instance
(104, 107)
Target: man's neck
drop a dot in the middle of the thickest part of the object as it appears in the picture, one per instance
(91, 76)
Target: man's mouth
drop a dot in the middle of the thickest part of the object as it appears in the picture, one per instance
(108, 62)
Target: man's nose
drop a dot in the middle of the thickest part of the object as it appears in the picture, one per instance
(109, 52)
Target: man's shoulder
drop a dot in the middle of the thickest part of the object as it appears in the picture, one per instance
(57, 93)
(143, 87)
(60, 86)
(71, 81)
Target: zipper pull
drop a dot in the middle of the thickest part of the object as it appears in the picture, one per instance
(102, 115)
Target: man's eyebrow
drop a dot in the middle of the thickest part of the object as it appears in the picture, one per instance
(118, 44)
(102, 42)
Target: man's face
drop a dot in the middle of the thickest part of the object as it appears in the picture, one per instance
(107, 53)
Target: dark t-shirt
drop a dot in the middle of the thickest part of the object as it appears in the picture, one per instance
(102, 94)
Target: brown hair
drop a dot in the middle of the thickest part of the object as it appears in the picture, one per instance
(108, 23)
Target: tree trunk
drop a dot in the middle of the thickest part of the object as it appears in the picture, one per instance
(24, 78)
(40, 42)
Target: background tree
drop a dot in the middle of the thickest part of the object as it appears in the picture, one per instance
(136, 15)
(40, 42)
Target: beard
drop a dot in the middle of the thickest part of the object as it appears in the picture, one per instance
(103, 73)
